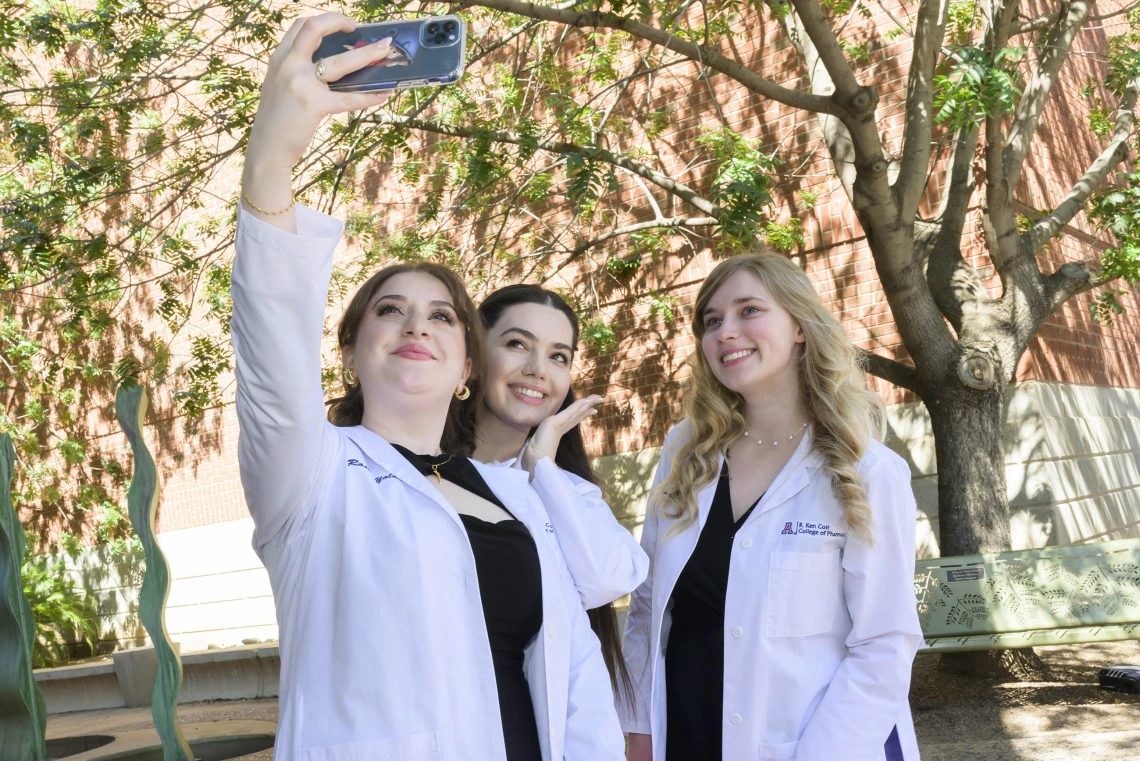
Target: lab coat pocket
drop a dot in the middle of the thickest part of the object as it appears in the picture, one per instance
(771, 751)
(418, 747)
(803, 593)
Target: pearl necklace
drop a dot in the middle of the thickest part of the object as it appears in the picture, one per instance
(776, 442)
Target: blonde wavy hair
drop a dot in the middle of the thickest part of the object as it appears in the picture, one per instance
(845, 415)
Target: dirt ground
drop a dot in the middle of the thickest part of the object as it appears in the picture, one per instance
(1068, 716)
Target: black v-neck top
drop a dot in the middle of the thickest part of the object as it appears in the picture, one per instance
(694, 655)
(510, 588)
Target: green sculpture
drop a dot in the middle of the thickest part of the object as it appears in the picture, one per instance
(23, 717)
(142, 500)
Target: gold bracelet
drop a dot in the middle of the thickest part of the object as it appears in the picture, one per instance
(255, 207)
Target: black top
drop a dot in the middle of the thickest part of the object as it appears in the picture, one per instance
(510, 588)
(694, 656)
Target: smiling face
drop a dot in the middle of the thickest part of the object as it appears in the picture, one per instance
(409, 343)
(530, 350)
(749, 340)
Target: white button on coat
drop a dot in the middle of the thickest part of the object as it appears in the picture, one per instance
(825, 672)
(384, 650)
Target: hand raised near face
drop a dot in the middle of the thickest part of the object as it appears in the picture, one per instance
(544, 442)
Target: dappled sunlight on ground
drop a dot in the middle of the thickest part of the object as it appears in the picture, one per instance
(1065, 718)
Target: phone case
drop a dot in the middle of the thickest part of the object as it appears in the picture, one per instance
(416, 61)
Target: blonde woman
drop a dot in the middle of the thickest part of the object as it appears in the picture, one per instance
(778, 620)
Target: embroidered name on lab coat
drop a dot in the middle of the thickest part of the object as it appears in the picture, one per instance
(354, 463)
(800, 528)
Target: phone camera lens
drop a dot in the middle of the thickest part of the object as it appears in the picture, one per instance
(440, 39)
(449, 26)
(433, 27)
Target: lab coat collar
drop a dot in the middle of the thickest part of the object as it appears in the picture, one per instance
(790, 481)
(377, 449)
(796, 474)
(513, 462)
(511, 485)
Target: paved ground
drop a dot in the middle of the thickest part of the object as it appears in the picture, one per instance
(1066, 717)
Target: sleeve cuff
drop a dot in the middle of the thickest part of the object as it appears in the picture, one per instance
(316, 232)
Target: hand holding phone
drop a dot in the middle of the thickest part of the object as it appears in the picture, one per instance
(293, 103)
(424, 53)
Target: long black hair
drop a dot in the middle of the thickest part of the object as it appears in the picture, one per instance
(571, 457)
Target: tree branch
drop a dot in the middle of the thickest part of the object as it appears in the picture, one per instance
(1034, 25)
(873, 197)
(816, 25)
(1052, 56)
(1070, 279)
(670, 222)
(890, 370)
(836, 136)
(1042, 22)
(997, 215)
(959, 187)
(678, 189)
(929, 31)
(1113, 153)
(699, 53)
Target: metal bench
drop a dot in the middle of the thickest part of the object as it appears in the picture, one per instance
(1025, 598)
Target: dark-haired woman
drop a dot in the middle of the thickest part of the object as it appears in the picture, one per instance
(529, 418)
(425, 610)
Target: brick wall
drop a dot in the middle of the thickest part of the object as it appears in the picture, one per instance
(642, 378)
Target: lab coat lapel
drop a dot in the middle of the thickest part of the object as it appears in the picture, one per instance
(512, 486)
(674, 552)
(796, 475)
(377, 449)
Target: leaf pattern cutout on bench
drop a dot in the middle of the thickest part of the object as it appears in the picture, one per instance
(1051, 588)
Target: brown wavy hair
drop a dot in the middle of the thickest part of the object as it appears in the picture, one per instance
(845, 415)
(459, 430)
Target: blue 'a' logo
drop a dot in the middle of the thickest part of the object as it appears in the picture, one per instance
(788, 528)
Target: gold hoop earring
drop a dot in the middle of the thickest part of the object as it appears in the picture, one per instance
(349, 376)
(461, 395)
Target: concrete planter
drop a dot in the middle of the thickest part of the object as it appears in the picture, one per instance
(126, 679)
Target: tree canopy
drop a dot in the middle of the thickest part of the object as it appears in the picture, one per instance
(588, 138)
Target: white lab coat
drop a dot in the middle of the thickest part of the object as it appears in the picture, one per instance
(604, 559)
(384, 650)
(820, 631)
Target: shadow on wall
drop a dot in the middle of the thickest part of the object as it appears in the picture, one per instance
(1072, 464)
(627, 478)
(114, 583)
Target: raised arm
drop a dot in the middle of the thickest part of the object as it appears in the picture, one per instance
(279, 285)
(603, 557)
(280, 281)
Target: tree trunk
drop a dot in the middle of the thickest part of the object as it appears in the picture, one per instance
(973, 507)
(973, 511)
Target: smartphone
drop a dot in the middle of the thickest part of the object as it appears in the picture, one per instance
(426, 52)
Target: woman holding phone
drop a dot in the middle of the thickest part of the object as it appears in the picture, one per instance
(529, 418)
(778, 620)
(425, 610)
